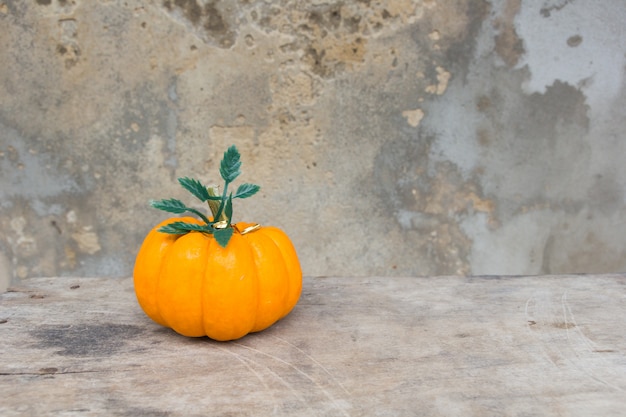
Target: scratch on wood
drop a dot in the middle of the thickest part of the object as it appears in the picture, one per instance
(298, 370)
(246, 363)
(315, 362)
(586, 342)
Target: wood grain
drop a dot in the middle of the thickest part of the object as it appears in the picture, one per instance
(449, 346)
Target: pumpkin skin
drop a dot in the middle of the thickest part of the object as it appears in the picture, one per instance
(198, 288)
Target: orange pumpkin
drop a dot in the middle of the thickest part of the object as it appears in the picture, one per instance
(195, 284)
(196, 287)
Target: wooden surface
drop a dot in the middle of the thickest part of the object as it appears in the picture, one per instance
(484, 346)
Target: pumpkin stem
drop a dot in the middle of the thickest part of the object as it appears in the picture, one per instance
(214, 205)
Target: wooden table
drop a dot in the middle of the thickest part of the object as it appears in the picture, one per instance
(446, 346)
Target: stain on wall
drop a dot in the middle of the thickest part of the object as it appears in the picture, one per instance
(397, 137)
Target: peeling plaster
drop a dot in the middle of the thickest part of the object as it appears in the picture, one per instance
(443, 77)
(413, 117)
(587, 48)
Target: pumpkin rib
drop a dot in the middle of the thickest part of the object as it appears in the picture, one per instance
(294, 269)
(273, 279)
(231, 282)
(180, 283)
(148, 268)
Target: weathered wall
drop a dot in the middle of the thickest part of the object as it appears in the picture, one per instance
(390, 137)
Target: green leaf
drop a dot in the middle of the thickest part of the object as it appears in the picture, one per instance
(223, 236)
(195, 187)
(181, 228)
(228, 209)
(171, 206)
(246, 190)
(177, 207)
(229, 167)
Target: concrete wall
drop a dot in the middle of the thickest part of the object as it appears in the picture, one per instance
(390, 137)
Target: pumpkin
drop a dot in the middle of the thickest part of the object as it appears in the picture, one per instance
(210, 277)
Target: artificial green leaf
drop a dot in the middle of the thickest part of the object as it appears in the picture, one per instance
(176, 206)
(180, 228)
(246, 190)
(229, 167)
(228, 209)
(195, 187)
(223, 236)
(171, 206)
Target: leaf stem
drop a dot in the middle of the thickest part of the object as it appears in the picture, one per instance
(199, 214)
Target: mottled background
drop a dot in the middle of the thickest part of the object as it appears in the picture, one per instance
(390, 137)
